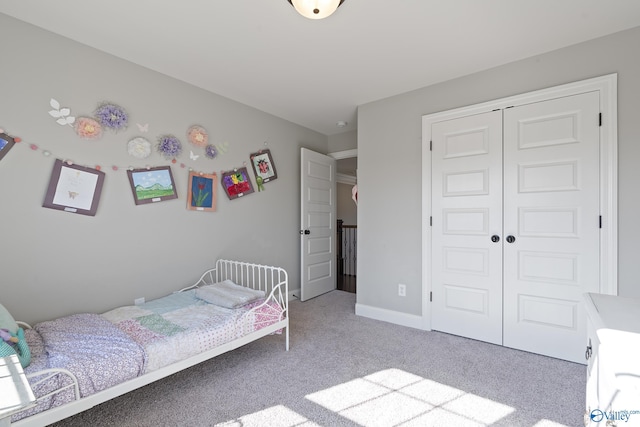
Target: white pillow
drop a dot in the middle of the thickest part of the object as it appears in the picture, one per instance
(227, 294)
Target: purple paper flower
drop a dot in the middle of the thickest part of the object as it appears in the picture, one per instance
(112, 116)
(210, 151)
(169, 146)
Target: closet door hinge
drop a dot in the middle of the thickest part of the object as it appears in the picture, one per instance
(430, 145)
(600, 221)
(600, 119)
(430, 221)
(430, 296)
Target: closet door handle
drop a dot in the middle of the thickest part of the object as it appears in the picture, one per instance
(495, 238)
(511, 239)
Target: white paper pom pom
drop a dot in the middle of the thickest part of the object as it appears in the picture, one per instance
(139, 148)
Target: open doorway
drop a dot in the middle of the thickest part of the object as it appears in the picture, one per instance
(347, 219)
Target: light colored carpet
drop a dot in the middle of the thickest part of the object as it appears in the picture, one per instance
(346, 370)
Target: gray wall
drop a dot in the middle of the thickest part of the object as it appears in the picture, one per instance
(389, 161)
(343, 141)
(54, 263)
(346, 208)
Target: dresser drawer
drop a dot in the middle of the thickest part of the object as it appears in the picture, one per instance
(611, 350)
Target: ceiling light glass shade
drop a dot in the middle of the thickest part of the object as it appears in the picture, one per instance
(315, 9)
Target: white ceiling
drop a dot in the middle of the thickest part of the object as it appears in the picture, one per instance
(315, 73)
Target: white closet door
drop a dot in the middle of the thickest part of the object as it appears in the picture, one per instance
(467, 212)
(551, 209)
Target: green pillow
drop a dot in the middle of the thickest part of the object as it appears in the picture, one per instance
(21, 349)
(7, 321)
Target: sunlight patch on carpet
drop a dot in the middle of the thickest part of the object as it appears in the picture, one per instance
(548, 423)
(396, 397)
(391, 397)
(278, 416)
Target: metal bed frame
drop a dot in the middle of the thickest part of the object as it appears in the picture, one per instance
(272, 280)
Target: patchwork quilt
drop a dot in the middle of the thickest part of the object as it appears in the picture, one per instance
(181, 325)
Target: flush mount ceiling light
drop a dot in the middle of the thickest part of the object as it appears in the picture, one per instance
(315, 9)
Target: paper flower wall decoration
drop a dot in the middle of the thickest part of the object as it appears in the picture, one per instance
(211, 151)
(139, 148)
(112, 116)
(88, 128)
(198, 136)
(169, 146)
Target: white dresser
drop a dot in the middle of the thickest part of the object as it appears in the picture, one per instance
(613, 361)
(15, 392)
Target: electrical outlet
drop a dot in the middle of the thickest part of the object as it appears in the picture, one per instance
(138, 301)
(402, 290)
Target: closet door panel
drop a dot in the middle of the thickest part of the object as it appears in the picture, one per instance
(551, 208)
(467, 212)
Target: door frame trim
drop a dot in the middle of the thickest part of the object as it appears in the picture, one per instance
(346, 154)
(607, 86)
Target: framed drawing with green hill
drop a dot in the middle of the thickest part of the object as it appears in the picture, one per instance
(151, 185)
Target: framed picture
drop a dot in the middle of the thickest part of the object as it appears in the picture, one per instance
(236, 183)
(6, 142)
(263, 165)
(202, 191)
(152, 185)
(74, 189)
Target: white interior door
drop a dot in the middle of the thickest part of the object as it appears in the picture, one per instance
(317, 224)
(467, 226)
(552, 211)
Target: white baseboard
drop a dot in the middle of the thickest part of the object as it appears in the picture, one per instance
(403, 319)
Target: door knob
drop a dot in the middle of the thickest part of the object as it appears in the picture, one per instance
(305, 231)
(511, 239)
(495, 238)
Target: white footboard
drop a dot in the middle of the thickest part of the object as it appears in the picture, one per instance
(272, 280)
